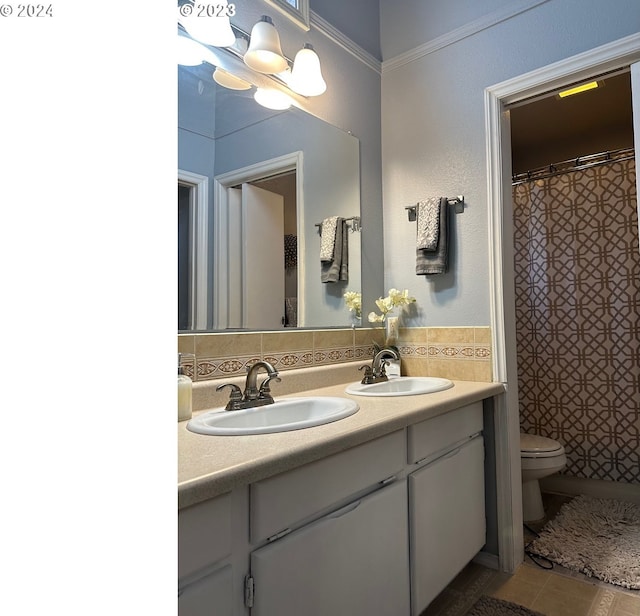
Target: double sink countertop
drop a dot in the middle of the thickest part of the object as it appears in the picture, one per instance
(212, 465)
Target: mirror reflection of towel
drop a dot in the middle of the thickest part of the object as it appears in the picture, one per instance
(328, 231)
(436, 262)
(338, 269)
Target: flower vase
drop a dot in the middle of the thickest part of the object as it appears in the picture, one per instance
(391, 340)
(391, 331)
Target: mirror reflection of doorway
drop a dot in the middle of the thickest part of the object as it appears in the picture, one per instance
(284, 184)
(259, 280)
(185, 213)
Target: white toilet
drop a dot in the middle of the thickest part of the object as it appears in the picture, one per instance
(540, 457)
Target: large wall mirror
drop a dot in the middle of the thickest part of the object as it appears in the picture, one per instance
(253, 187)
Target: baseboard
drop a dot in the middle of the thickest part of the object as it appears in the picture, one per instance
(487, 560)
(562, 484)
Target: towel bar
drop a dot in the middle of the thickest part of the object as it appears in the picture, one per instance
(457, 202)
(354, 226)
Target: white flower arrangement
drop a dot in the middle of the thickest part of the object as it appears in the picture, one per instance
(353, 299)
(387, 304)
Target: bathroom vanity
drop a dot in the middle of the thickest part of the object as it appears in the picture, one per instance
(370, 515)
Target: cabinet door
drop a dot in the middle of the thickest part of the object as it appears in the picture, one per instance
(446, 503)
(209, 596)
(354, 561)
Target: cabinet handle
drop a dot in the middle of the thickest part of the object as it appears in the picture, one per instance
(453, 452)
(345, 510)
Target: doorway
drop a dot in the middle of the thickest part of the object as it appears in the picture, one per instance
(185, 296)
(577, 264)
(614, 56)
(193, 246)
(284, 177)
(285, 184)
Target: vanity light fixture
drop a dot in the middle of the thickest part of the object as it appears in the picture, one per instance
(584, 87)
(265, 54)
(212, 28)
(192, 53)
(306, 76)
(260, 51)
(229, 80)
(272, 99)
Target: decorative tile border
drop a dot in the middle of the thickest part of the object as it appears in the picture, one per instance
(446, 351)
(333, 356)
(327, 347)
(291, 359)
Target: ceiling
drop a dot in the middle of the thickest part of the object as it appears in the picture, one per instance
(550, 129)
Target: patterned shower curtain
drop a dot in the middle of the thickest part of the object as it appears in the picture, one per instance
(577, 278)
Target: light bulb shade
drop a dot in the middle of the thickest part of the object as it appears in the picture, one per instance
(272, 99)
(265, 54)
(192, 53)
(229, 80)
(213, 29)
(306, 76)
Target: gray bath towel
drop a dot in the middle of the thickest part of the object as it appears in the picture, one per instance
(338, 269)
(436, 262)
(428, 224)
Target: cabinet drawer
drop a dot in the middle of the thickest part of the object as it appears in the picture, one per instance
(428, 439)
(204, 534)
(279, 502)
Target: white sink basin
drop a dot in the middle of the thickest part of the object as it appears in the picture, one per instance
(281, 416)
(400, 386)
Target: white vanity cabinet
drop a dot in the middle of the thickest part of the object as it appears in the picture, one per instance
(354, 561)
(446, 500)
(379, 528)
(336, 535)
(204, 559)
(210, 595)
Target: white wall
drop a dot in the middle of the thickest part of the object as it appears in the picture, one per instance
(433, 122)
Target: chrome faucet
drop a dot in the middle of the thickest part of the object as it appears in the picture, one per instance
(376, 373)
(253, 395)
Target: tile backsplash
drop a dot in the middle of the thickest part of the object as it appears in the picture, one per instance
(462, 353)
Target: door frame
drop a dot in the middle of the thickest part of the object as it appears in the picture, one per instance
(198, 233)
(221, 185)
(612, 56)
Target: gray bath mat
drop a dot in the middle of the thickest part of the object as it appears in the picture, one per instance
(595, 536)
(489, 606)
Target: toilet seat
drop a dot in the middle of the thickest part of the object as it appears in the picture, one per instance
(535, 446)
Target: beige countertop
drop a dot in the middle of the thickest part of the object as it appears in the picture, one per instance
(212, 465)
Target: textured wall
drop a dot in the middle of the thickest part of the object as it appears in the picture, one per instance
(433, 128)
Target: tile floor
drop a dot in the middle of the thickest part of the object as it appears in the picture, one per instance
(554, 592)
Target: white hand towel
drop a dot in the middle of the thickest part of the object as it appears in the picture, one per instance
(328, 238)
(428, 221)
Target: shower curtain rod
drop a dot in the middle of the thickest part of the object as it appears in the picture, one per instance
(574, 164)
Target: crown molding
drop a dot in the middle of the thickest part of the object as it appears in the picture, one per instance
(473, 27)
(325, 28)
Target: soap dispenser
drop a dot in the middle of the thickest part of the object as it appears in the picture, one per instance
(184, 393)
